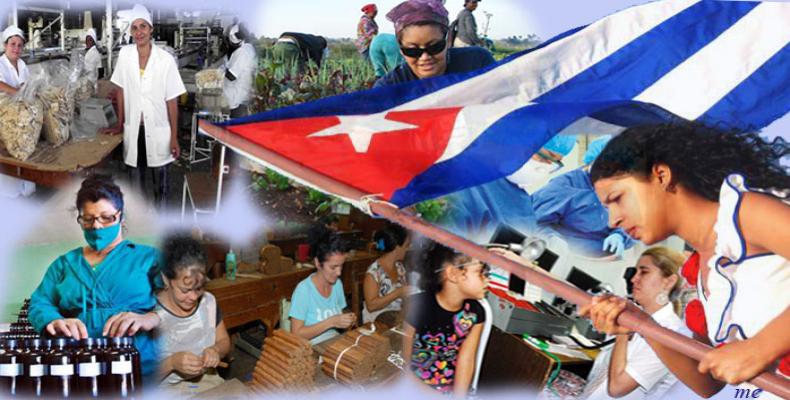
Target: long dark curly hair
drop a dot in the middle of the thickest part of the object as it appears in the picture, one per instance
(700, 157)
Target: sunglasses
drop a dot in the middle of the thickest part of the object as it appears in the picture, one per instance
(431, 49)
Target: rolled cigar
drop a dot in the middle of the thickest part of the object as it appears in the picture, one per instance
(288, 347)
(268, 369)
(272, 362)
(293, 339)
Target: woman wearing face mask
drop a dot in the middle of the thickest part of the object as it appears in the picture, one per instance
(385, 281)
(421, 29)
(633, 367)
(726, 203)
(318, 301)
(192, 336)
(101, 289)
(150, 85)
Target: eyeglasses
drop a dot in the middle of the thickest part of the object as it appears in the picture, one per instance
(103, 219)
(485, 269)
(431, 49)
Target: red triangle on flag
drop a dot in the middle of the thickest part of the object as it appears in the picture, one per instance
(390, 162)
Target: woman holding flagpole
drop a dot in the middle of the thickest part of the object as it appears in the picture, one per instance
(730, 204)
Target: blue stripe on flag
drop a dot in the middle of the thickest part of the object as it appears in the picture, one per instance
(760, 99)
(638, 65)
(500, 150)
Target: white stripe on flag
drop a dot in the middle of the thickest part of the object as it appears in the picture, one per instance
(591, 126)
(536, 73)
(473, 120)
(698, 83)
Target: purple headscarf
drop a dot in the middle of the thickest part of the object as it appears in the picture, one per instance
(413, 11)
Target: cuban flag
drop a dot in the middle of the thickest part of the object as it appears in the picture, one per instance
(719, 62)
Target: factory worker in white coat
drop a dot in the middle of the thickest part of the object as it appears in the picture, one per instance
(13, 73)
(148, 77)
(92, 56)
(239, 71)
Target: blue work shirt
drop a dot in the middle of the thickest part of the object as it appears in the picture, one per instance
(72, 289)
(385, 53)
(567, 205)
(308, 305)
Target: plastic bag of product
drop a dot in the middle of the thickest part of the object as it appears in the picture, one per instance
(85, 89)
(209, 79)
(21, 118)
(59, 99)
(85, 86)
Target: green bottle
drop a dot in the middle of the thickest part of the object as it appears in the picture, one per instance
(230, 266)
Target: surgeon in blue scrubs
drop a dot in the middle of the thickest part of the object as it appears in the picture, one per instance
(568, 207)
(102, 288)
(476, 212)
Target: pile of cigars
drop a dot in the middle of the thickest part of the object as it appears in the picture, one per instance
(286, 363)
(358, 363)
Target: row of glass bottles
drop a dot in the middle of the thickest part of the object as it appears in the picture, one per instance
(69, 368)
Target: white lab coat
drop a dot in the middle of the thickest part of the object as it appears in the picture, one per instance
(242, 64)
(93, 63)
(9, 74)
(147, 96)
(10, 186)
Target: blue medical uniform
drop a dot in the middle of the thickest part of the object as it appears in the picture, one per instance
(567, 205)
(72, 289)
(476, 212)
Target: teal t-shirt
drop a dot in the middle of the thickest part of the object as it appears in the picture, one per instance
(309, 306)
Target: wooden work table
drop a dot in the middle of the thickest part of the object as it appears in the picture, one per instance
(53, 166)
(248, 299)
(255, 296)
(510, 362)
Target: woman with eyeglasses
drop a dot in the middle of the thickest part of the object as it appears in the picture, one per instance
(444, 323)
(102, 288)
(421, 29)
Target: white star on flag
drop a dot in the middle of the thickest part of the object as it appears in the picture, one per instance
(361, 128)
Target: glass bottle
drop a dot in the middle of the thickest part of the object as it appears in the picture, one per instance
(120, 368)
(136, 364)
(89, 368)
(62, 375)
(35, 369)
(11, 369)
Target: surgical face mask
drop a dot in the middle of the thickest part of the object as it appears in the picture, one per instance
(99, 239)
(532, 173)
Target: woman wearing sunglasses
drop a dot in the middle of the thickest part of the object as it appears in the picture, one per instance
(421, 29)
(101, 289)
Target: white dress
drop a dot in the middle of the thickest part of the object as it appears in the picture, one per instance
(145, 101)
(746, 292)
